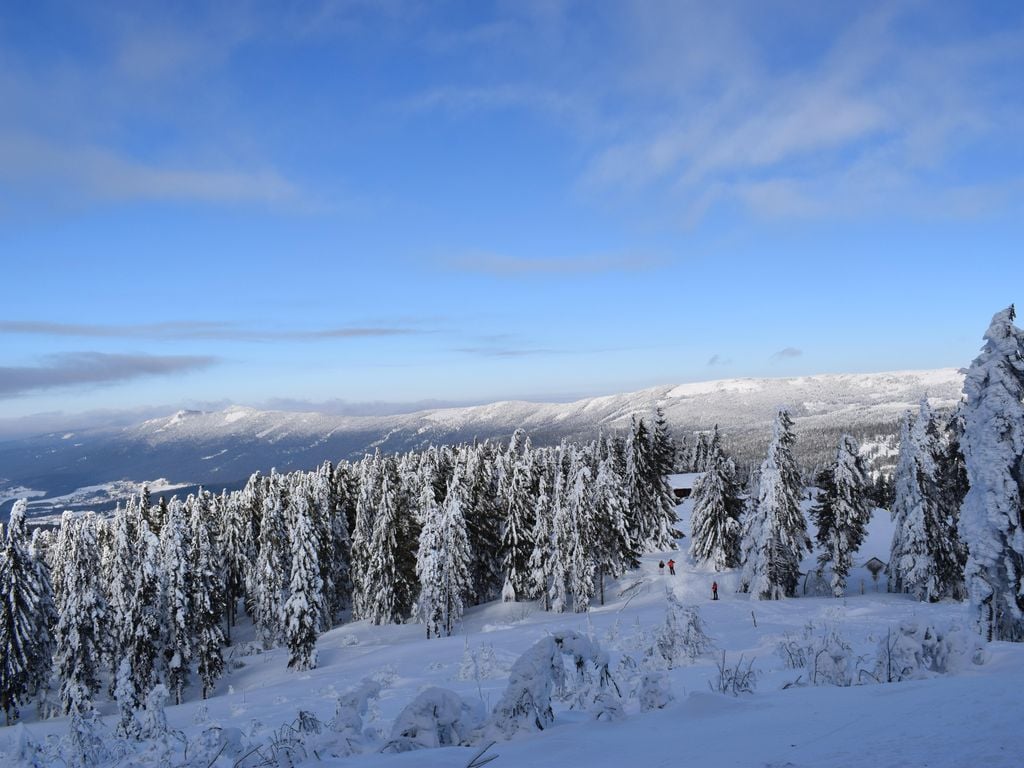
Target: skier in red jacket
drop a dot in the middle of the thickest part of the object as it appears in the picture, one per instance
(672, 567)
(714, 590)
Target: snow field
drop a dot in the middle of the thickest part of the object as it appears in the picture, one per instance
(969, 718)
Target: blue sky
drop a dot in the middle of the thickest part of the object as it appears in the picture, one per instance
(402, 201)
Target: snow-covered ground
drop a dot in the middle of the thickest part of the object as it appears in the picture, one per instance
(967, 718)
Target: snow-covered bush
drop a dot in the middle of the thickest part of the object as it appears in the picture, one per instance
(348, 716)
(23, 752)
(654, 692)
(823, 657)
(910, 651)
(479, 664)
(734, 679)
(436, 718)
(87, 742)
(681, 636)
(526, 703)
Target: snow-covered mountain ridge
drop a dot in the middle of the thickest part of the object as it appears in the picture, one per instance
(222, 448)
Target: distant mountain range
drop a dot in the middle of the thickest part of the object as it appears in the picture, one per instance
(220, 449)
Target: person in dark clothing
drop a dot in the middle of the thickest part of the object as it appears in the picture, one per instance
(661, 566)
(672, 567)
(714, 590)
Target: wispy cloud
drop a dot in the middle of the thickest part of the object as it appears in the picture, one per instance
(508, 351)
(860, 126)
(196, 331)
(787, 353)
(484, 263)
(93, 368)
(98, 173)
(719, 360)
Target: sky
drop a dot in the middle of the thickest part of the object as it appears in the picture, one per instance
(344, 202)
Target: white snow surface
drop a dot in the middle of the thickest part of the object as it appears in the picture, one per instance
(964, 719)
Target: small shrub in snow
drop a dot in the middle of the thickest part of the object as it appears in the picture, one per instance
(910, 651)
(479, 664)
(681, 636)
(824, 657)
(734, 679)
(87, 741)
(436, 718)
(23, 752)
(526, 703)
(348, 716)
(654, 691)
(386, 675)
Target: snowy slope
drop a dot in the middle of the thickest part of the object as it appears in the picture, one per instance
(963, 719)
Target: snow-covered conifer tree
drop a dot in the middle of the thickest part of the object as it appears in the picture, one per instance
(366, 512)
(389, 579)
(542, 558)
(147, 612)
(714, 522)
(120, 572)
(302, 621)
(663, 459)
(991, 521)
(19, 617)
(516, 537)
(573, 525)
(82, 609)
(175, 548)
(272, 566)
(613, 551)
(842, 512)
(641, 494)
(207, 601)
(46, 615)
(775, 533)
(235, 549)
(926, 555)
(484, 516)
(443, 559)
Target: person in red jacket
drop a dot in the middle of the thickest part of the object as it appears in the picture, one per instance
(714, 590)
(672, 567)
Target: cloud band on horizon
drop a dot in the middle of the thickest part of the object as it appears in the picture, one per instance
(192, 331)
(84, 368)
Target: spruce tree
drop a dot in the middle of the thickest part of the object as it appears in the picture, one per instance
(993, 445)
(926, 553)
(663, 463)
(207, 601)
(235, 548)
(389, 578)
(443, 559)
(516, 537)
(147, 612)
(573, 526)
(613, 551)
(714, 521)
(484, 516)
(268, 583)
(19, 617)
(370, 475)
(542, 558)
(46, 615)
(82, 610)
(775, 533)
(842, 512)
(302, 619)
(175, 548)
(638, 486)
